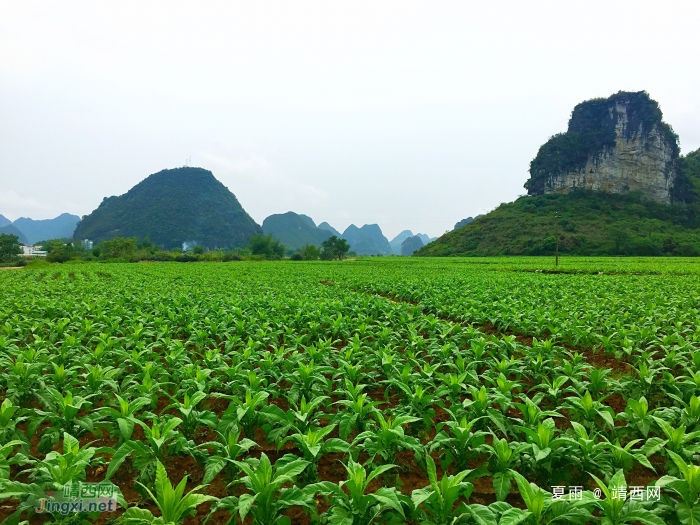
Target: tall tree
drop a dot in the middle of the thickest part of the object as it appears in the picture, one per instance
(118, 248)
(334, 247)
(266, 245)
(9, 247)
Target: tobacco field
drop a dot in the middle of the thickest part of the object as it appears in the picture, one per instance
(375, 391)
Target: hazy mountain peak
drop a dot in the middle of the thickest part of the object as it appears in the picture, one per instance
(294, 230)
(425, 238)
(325, 226)
(396, 241)
(307, 219)
(60, 227)
(367, 240)
(11, 229)
(411, 244)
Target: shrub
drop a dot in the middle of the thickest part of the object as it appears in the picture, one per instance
(37, 263)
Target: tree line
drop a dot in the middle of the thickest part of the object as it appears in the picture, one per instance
(132, 249)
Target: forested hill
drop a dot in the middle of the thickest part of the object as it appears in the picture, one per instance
(591, 223)
(173, 207)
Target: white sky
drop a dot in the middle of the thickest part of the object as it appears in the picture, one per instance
(412, 115)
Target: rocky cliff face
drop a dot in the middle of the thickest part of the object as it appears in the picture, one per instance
(617, 145)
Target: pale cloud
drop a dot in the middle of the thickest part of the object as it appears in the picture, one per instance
(249, 174)
(14, 206)
(247, 166)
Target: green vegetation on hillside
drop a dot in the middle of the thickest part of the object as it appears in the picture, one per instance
(690, 172)
(592, 223)
(172, 207)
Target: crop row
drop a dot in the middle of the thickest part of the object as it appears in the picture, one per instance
(351, 393)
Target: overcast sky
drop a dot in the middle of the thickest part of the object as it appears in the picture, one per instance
(412, 115)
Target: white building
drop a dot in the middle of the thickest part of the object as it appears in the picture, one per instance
(33, 251)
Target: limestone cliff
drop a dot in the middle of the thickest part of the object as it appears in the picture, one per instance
(617, 145)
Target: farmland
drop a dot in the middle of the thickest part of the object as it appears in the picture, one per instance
(424, 391)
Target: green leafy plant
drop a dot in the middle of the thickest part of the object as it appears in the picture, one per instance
(436, 502)
(161, 439)
(192, 416)
(172, 501)
(618, 510)
(227, 450)
(10, 416)
(313, 444)
(687, 487)
(545, 456)
(267, 496)
(357, 506)
(357, 411)
(460, 445)
(388, 438)
(62, 412)
(588, 411)
(503, 456)
(543, 509)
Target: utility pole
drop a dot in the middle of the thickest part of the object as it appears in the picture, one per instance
(556, 236)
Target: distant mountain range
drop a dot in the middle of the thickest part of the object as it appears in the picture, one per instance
(172, 207)
(60, 227)
(189, 205)
(32, 231)
(463, 222)
(425, 238)
(397, 241)
(295, 230)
